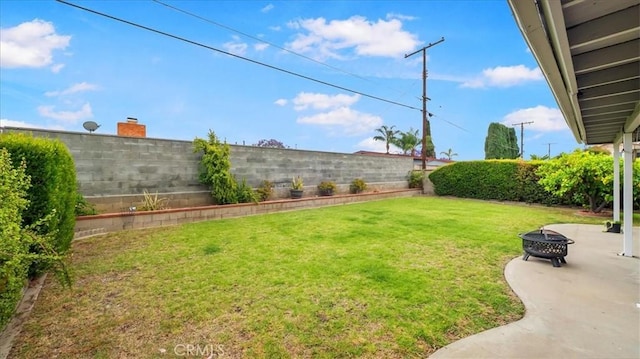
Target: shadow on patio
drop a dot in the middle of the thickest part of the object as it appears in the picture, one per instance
(588, 308)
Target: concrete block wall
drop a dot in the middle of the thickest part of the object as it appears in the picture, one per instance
(114, 222)
(113, 171)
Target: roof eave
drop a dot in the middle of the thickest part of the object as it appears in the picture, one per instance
(533, 30)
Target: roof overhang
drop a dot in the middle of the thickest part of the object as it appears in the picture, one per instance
(589, 53)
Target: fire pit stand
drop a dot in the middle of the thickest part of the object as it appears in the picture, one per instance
(544, 243)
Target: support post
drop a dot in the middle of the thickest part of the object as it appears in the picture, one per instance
(616, 182)
(627, 188)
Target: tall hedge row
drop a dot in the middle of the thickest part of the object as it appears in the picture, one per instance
(504, 180)
(13, 266)
(53, 188)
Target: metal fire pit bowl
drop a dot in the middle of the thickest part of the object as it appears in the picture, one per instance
(544, 243)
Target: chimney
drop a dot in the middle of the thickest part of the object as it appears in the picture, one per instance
(132, 128)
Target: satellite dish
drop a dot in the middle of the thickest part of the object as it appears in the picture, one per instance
(90, 126)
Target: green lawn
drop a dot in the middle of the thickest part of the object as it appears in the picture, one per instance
(394, 278)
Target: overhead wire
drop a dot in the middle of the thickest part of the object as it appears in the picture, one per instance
(273, 67)
(175, 8)
(192, 42)
(227, 27)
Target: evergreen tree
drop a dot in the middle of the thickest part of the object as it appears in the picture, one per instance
(501, 142)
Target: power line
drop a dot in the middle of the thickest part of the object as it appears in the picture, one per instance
(449, 122)
(175, 8)
(227, 27)
(192, 42)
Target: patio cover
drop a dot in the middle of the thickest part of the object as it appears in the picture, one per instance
(589, 52)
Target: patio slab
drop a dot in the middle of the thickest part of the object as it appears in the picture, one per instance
(588, 308)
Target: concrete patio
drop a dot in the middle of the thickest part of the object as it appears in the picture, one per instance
(588, 308)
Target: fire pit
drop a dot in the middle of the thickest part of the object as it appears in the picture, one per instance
(544, 243)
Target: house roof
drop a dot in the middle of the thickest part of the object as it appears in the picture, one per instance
(589, 52)
(416, 158)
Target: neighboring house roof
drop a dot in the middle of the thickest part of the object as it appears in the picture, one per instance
(415, 158)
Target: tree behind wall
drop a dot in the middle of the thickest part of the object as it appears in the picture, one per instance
(272, 143)
(501, 142)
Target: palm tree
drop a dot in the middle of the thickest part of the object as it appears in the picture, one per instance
(449, 154)
(408, 141)
(387, 134)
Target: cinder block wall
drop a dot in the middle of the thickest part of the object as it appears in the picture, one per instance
(116, 170)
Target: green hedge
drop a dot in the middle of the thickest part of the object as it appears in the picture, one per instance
(53, 188)
(13, 266)
(504, 180)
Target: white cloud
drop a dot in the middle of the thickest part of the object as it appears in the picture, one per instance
(260, 46)
(30, 44)
(275, 28)
(325, 39)
(320, 101)
(75, 88)
(544, 119)
(69, 117)
(57, 68)
(504, 76)
(11, 123)
(267, 8)
(343, 121)
(236, 47)
(369, 144)
(281, 102)
(392, 15)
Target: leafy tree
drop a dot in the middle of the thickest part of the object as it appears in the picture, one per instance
(408, 141)
(387, 135)
(449, 154)
(215, 169)
(586, 176)
(272, 143)
(501, 142)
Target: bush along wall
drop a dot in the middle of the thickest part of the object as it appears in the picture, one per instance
(503, 180)
(52, 194)
(13, 266)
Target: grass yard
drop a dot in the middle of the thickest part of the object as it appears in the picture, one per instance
(395, 278)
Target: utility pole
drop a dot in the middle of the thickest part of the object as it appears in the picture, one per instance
(549, 149)
(521, 124)
(425, 114)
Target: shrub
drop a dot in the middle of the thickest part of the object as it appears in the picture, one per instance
(297, 183)
(415, 178)
(492, 179)
(358, 185)
(14, 183)
(215, 169)
(53, 189)
(151, 202)
(585, 176)
(15, 256)
(326, 188)
(84, 208)
(265, 190)
(504, 180)
(246, 193)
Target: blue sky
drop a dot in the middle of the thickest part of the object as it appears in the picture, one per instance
(61, 66)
